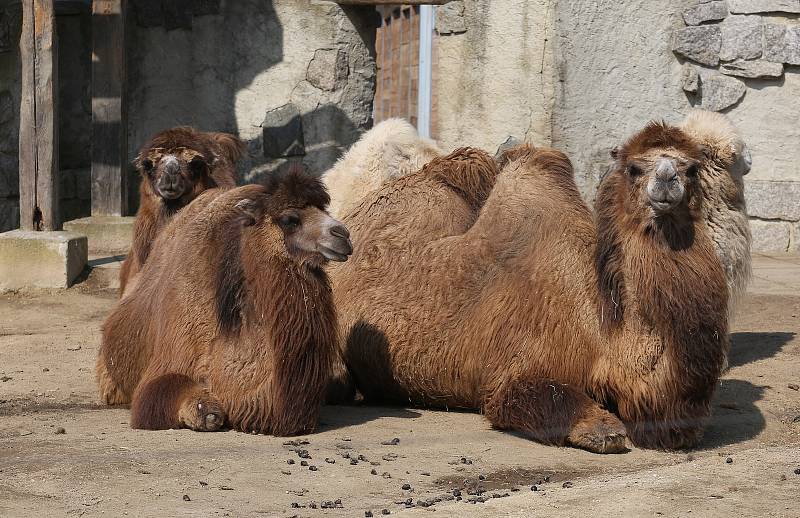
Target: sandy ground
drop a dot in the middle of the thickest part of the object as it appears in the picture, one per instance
(747, 465)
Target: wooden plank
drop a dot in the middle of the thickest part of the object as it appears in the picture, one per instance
(109, 109)
(38, 137)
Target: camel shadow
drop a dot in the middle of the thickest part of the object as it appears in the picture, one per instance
(750, 347)
(735, 417)
(336, 417)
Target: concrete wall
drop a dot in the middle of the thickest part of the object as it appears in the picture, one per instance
(608, 68)
(495, 79)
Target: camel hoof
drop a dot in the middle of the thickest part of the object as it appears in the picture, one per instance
(205, 415)
(604, 435)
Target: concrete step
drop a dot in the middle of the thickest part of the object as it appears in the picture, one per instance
(103, 272)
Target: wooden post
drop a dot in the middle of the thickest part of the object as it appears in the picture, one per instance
(109, 109)
(38, 132)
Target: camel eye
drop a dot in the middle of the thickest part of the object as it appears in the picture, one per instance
(197, 165)
(289, 221)
(147, 164)
(634, 170)
(692, 171)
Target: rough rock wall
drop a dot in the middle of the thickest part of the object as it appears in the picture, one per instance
(495, 76)
(299, 74)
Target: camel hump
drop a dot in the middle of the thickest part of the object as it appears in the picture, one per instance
(231, 146)
(469, 171)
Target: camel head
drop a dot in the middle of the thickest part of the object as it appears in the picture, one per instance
(657, 172)
(294, 208)
(175, 163)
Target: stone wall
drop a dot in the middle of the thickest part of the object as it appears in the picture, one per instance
(582, 76)
(224, 65)
(741, 57)
(294, 79)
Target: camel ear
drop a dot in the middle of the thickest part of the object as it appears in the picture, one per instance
(614, 152)
(249, 211)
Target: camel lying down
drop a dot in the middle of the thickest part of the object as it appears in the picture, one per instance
(501, 291)
(231, 319)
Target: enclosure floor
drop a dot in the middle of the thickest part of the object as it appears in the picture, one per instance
(99, 466)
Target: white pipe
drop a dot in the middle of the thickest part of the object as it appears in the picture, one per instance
(426, 19)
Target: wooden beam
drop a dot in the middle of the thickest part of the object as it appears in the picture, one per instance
(38, 134)
(109, 109)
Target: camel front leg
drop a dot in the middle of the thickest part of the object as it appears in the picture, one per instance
(175, 401)
(550, 412)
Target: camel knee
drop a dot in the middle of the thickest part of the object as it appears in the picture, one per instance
(175, 401)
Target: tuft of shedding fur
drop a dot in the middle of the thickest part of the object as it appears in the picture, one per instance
(508, 317)
(391, 149)
(218, 153)
(225, 324)
(722, 187)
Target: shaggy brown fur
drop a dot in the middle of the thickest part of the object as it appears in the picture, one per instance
(231, 318)
(201, 161)
(537, 314)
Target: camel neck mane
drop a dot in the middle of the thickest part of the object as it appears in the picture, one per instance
(665, 275)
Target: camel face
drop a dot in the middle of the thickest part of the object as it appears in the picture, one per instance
(173, 172)
(312, 236)
(665, 178)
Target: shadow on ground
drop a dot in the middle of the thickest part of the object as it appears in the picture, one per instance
(334, 417)
(750, 347)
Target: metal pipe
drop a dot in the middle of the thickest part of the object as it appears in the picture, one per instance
(426, 20)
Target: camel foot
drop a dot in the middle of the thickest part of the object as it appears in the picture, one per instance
(202, 413)
(602, 432)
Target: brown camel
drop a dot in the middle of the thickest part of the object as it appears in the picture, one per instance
(176, 165)
(232, 317)
(547, 319)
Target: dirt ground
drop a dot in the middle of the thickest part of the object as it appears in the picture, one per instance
(64, 454)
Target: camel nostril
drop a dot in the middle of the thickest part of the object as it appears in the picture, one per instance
(340, 231)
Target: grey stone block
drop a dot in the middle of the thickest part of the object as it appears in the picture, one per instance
(690, 78)
(510, 142)
(41, 259)
(701, 44)
(764, 6)
(741, 38)
(720, 92)
(106, 234)
(770, 236)
(450, 18)
(773, 200)
(282, 131)
(328, 69)
(782, 44)
(794, 244)
(705, 12)
(751, 69)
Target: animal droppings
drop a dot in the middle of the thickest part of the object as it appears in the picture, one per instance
(386, 475)
(794, 386)
(566, 484)
(312, 468)
(367, 514)
(385, 511)
(797, 471)
(303, 463)
(60, 430)
(330, 461)
(481, 477)
(534, 488)
(286, 472)
(729, 461)
(186, 498)
(406, 487)
(353, 462)
(373, 472)
(425, 473)
(391, 442)
(290, 461)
